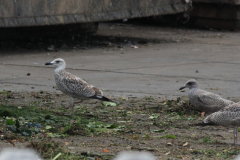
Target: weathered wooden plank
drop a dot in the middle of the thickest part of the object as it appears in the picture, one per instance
(216, 11)
(53, 12)
(38, 8)
(24, 8)
(233, 2)
(7, 8)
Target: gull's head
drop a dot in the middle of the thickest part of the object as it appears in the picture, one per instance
(59, 63)
(192, 83)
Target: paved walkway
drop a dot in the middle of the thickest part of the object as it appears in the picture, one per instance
(212, 57)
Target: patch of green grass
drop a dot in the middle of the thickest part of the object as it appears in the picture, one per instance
(169, 136)
(15, 111)
(4, 93)
(209, 152)
(226, 154)
(51, 122)
(128, 127)
(98, 128)
(149, 99)
(146, 136)
(230, 152)
(78, 128)
(10, 122)
(6, 112)
(209, 140)
(206, 139)
(180, 107)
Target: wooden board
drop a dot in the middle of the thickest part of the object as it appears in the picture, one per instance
(17, 13)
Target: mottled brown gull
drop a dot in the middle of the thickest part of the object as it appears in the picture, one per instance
(74, 86)
(204, 101)
(228, 116)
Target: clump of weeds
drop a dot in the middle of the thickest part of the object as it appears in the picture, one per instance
(50, 149)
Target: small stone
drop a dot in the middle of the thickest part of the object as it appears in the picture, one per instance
(51, 48)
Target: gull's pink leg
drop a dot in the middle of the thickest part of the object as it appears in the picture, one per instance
(235, 135)
(71, 103)
(236, 128)
(73, 109)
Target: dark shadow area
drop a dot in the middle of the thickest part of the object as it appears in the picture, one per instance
(73, 41)
(187, 21)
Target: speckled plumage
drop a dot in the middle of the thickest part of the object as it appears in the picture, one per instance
(228, 116)
(205, 101)
(74, 86)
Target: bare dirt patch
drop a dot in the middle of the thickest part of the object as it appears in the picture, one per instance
(101, 130)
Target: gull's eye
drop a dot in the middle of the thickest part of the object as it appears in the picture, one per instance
(190, 83)
(57, 61)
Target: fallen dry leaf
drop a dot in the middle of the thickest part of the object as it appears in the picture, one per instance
(19, 139)
(73, 121)
(105, 150)
(66, 143)
(185, 158)
(124, 98)
(10, 141)
(98, 158)
(167, 153)
(185, 144)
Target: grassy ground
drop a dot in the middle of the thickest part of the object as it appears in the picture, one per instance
(100, 130)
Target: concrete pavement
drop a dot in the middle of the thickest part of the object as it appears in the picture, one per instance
(211, 57)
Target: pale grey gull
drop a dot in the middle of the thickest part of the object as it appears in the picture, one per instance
(204, 101)
(19, 154)
(74, 86)
(133, 155)
(227, 116)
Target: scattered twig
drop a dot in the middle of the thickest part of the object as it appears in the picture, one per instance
(59, 154)
(10, 141)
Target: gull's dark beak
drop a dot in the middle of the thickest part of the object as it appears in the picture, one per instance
(48, 63)
(181, 88)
